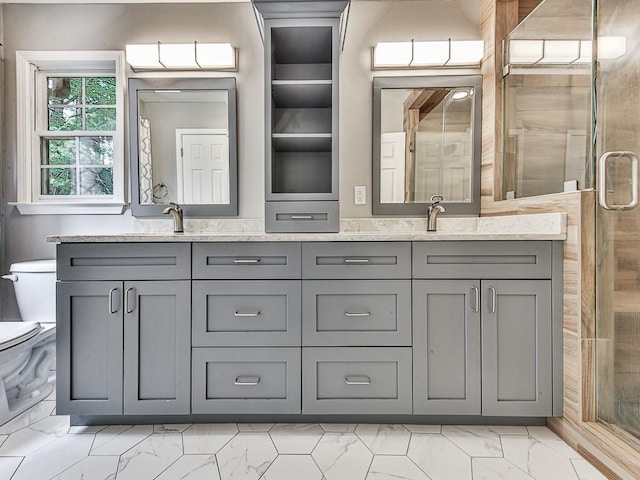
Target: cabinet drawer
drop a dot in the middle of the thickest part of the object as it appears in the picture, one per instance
(124, 261)
(246, 313)
(246, 380)
(356, 312)
(246, 260)
(356, 260)
(482, 259)
(302, 217)
(361, 380)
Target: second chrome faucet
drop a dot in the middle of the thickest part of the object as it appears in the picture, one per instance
(176, 211)
(433, 211)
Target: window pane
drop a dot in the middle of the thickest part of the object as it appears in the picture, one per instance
(65, 118)
(58, 151)
(96, 150)
(58, 181)
(96, 181)
(101, 91)
(64, 90)
(101, 119)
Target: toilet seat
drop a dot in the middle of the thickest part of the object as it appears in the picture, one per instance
(13, 333)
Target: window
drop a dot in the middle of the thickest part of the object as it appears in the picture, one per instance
(70, 132)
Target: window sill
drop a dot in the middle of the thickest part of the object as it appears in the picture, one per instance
(69, 208)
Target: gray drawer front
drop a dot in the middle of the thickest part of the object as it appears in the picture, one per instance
(246, 380)
(356, 260)
(482, 259)
(356, 312)
(246, 260)
(246, 313)
(124, 261)
(361, 380)
(302, 217)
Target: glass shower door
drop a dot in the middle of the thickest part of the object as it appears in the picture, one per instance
(618, 215)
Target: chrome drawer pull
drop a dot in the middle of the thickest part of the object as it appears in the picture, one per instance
(476, 298)
(248, 314)
(112, 308)
(246, 260)
(130, 297)
(492, 308)
(247, 381)
(357, 380)
(363, 314)
(301, 217)
(357, 260)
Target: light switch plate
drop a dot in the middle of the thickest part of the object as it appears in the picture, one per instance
(360, 195)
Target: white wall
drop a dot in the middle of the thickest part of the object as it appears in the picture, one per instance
(111, 26)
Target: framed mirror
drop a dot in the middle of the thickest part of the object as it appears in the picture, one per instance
(427, 141)
(183, 146)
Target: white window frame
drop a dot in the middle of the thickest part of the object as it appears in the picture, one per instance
(28, 65)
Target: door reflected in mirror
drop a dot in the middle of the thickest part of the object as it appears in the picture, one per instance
(426, 142)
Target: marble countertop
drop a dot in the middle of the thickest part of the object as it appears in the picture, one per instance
(546, 226)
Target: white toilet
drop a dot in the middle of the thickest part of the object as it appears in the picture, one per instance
(28, 348)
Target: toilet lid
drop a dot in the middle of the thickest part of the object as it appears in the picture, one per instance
(13, 333)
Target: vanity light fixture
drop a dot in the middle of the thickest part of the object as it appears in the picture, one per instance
(182, 56)
(442, 53)
(563, 52)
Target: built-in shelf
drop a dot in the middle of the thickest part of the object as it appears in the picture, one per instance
(290, 142)
(302, 95)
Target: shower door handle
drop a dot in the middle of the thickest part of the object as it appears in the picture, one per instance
(603, 162)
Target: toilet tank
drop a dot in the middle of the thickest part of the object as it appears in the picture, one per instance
(34, 283)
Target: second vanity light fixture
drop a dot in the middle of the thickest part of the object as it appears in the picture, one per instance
(182, 56)
(446, 53)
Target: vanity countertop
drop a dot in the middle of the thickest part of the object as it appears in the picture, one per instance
(547, 226)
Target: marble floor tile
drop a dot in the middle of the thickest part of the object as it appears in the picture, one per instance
(35, 436)
(8, 466)
(509, 429)
(37, 412)
(3, 438)
(54, 458)
(192, 467)
(339, 427)
(423, 428)
(296, 438)
(384, 439)
(247, 456)
(394, 467)
(342, 456)
(550, 439)
(474, 440)
(496, 469)
(82, 429)
(207, 438)
(585, 470)
(294, 467)
(92, 468)
(171, 428)
(439, 458)
(537, 459)
(255, 427)
(117, 439)
(150, 457)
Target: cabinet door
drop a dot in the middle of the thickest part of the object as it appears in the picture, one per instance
(89, 349)
(157, 349)
(446, 347)
(516, 348)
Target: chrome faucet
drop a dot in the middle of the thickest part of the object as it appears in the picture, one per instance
(433, 211)
(176, 211)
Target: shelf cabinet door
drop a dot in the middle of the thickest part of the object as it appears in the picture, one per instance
(516, 348)
(89, 349)
(446, 347)
(157, 349)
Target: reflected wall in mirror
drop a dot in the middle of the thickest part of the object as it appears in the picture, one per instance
(183, 146)
(426, 142)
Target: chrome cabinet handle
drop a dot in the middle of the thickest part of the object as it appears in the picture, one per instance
(362, 314)
(301, 217)
(603, 162)
(357, 380)
(247, 381)
(246, 260)
(357, 260)
(492, 306)
(476, 299)
(247, 314)
(112, 308)
(129, 299)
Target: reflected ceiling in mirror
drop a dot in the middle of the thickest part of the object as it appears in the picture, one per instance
(426, 143)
